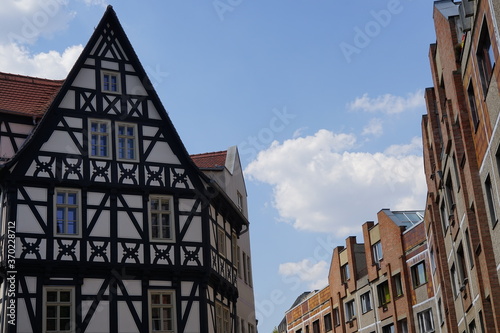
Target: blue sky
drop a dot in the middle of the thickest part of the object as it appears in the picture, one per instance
(323, 98)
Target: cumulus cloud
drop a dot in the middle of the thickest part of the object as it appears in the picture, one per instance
(388, 103)
(24, 21)
(374, 128)
(102, 3)
(315, 274)
(52, 64)
(319, 185)
(414, 147)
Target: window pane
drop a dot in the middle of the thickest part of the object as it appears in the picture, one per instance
(72, 198)
(51, 311)
(61, 198)
(51, 324)
(65, 296)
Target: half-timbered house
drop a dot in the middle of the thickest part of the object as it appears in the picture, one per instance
(107, 224)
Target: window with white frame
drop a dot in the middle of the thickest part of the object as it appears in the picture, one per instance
(490, 196)
(485, 57)
(110, 82)
(126, 141)
(162, 311)
(222, 318)
(377, 253)
(249, 271)
(366, 304)
(161, 218)
(388, 328)
(345, 273)
(59, 309)
(99, 134)
(403, 326)
(425, 321)
(240, 200)
(238, 261)
(336, 317)
(67, 212)
(350, 310)
(221, 241)
(418, 274)
(245, 268)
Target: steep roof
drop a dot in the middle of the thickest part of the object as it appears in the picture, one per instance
(212, 161)
(28, 96)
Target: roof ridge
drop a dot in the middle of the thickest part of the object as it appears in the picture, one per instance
(29, 79)
(210, 153)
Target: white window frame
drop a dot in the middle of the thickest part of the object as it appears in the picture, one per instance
(221, 242)
(126, 137)
(378, 254)
(350, 310)
(106, 134)
(222, 318)
(366, 304)
(161, 292)
(160, 211)
(66, 205)
(415, 274)
(58, 304)
(425, 326)
(249, 271)
(118, 82)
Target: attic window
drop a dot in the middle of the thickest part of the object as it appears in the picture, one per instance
(110, 82)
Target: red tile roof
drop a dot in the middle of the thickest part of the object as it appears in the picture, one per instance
(27, 95)
(215, 160)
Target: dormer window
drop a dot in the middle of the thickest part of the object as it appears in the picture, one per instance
(110, 82)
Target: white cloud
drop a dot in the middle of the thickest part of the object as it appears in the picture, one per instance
(53, 65)
(316, 274)
(414, 147)
(24, 21)
(318, 185)
(102, 3)
(374, 128)
(388, 104)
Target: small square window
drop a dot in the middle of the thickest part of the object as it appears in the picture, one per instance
(110, 82)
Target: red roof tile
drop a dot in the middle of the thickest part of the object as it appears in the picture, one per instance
(215, 160)
(27, 95)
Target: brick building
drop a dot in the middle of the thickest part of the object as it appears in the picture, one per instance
(380, 285)
(461, 160)
(442, 274)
